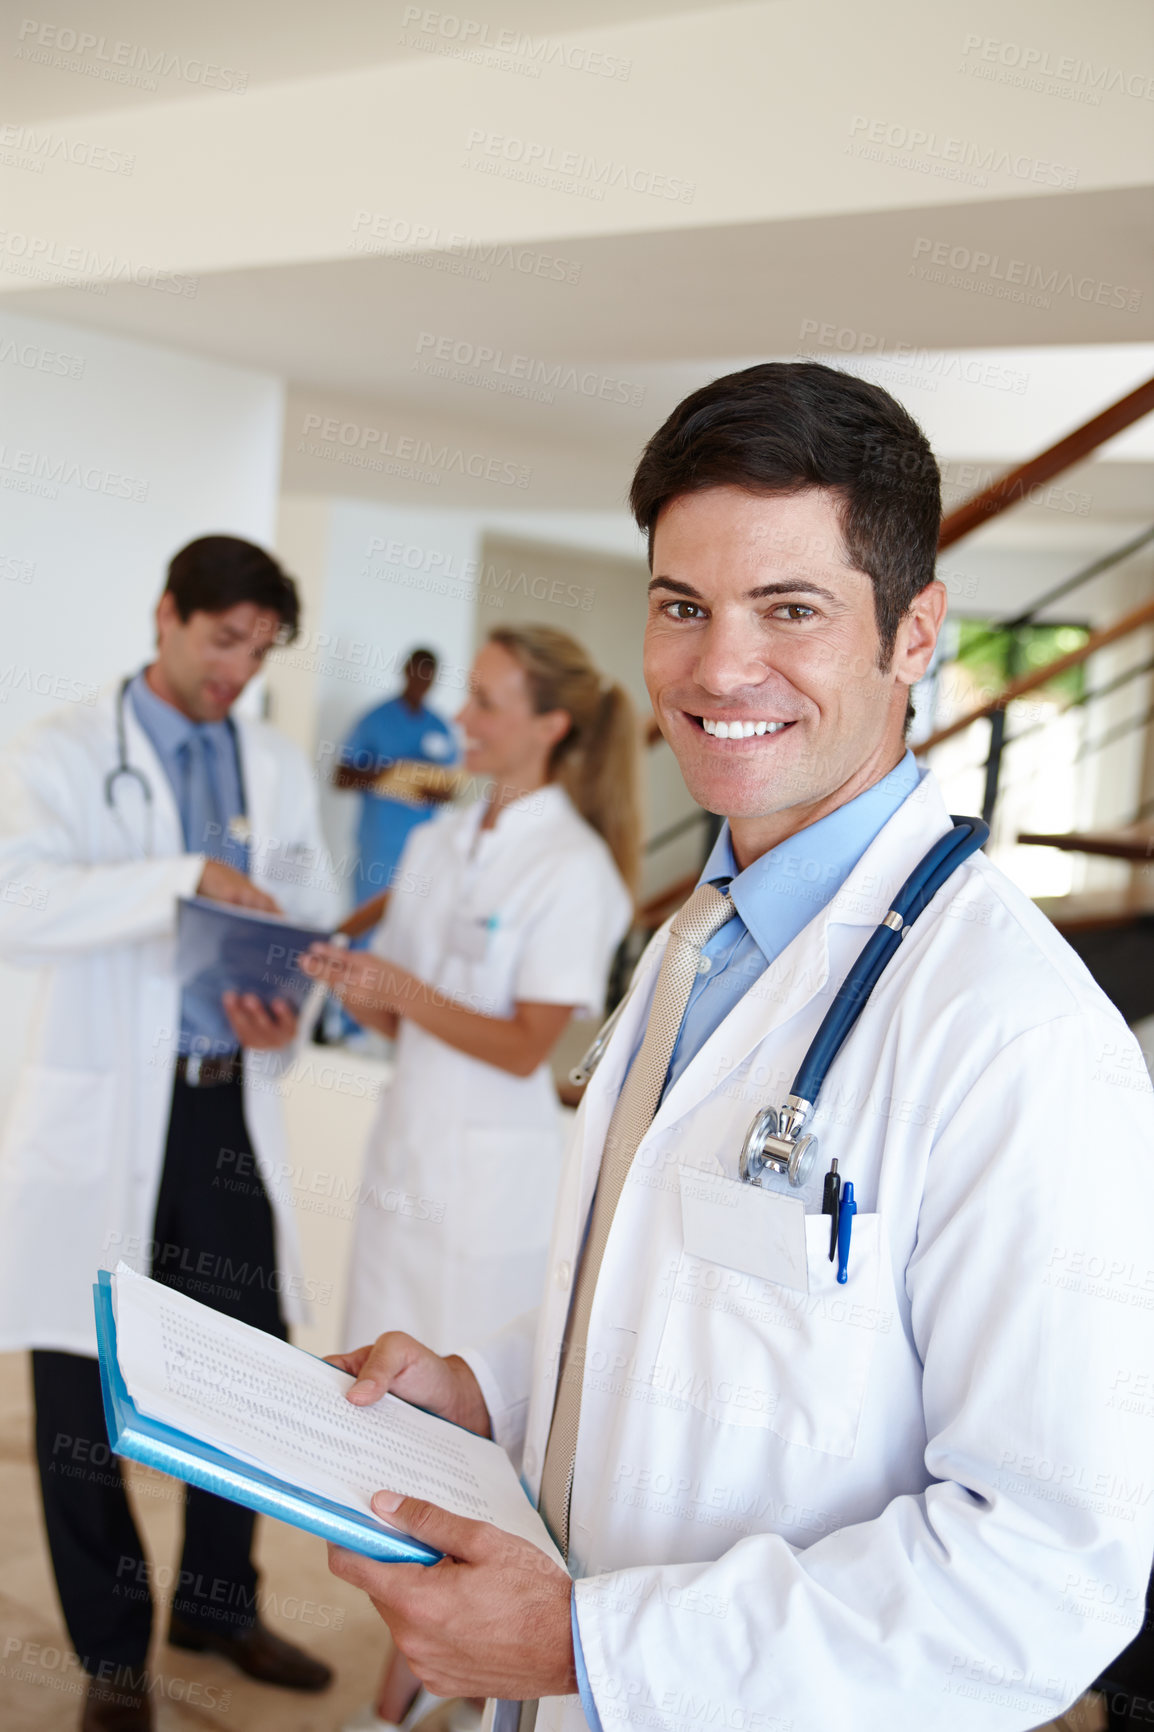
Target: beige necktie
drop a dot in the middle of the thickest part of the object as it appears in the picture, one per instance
(704, 914)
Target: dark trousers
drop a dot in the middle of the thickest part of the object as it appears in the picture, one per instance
(1128, 1681)
(213, 1239)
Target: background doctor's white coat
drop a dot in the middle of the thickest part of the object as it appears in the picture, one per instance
(84, 1145)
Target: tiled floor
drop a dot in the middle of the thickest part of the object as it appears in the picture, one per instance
(40, 1690)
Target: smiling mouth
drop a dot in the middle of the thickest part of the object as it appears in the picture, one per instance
(739, 729)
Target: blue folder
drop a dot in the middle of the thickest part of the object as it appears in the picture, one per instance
(137, 1437)
(221, 948)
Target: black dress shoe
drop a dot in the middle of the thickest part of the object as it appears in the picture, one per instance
(257, 1652)
(116, 1708)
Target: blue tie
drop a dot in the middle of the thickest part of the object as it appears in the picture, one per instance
(203, 825)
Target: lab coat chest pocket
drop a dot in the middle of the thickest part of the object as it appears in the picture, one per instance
(760, 1353)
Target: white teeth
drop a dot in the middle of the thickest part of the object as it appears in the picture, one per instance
(739, 730)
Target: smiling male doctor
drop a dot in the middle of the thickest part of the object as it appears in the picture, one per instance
(785, 1502)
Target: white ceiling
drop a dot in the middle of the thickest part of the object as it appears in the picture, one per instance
(791, 245)
(168, 48)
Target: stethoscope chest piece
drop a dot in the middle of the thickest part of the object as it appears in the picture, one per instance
(776, 1144)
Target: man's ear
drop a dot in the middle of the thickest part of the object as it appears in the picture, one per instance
(917, 634)
(166, 615)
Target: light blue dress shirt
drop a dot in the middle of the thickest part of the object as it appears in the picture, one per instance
(775, 898)
(200, 761)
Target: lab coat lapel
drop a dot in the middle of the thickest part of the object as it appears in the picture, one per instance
(260, 785)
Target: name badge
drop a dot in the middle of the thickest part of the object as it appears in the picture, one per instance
(743, 1227)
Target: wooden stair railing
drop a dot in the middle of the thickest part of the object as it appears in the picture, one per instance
(1130, 622)
(1016, 484)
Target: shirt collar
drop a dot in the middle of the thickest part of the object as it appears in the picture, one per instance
(810, 867)
(167, 727)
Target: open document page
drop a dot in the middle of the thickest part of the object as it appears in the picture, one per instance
(277, 1408)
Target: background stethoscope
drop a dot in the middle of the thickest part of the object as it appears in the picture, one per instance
(776, 1140)
(123, 768)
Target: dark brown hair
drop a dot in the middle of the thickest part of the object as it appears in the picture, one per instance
(217, 572)
(786, 426)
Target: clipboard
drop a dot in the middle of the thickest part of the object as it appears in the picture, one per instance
(136, 1437)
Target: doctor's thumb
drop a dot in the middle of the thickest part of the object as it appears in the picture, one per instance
(456, 1536)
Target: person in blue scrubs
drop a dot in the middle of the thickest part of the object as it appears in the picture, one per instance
(404, 729)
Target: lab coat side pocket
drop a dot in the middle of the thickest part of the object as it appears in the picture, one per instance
(61, 1124)
(756, 1353)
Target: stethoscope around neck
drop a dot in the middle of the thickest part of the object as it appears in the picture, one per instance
(122, 768)
(777, 1140)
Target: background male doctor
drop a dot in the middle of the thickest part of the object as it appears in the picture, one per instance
(793, 1503)
(134, 1130)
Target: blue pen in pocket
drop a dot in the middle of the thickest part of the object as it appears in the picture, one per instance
(846, 1213)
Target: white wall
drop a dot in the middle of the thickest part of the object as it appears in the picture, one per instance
(112, 455)
(393, 578)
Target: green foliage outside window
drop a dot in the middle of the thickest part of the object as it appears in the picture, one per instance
(995, 656)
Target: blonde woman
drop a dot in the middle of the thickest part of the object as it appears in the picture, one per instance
(502, 925)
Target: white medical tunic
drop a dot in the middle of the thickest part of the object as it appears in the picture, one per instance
(461, 1172)
(924, 1499)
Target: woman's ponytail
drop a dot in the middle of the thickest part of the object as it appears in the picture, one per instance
(602, 780)
(597, 762)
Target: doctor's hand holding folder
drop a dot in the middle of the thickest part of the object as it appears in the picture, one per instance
(240, 965)
(222, 1405)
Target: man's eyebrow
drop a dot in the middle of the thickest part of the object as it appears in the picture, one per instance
(677, 588)
(794, 586)
(797, 586)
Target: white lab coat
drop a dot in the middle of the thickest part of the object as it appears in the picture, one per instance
(924, 1499)
(94, 909)
(463, 1162)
